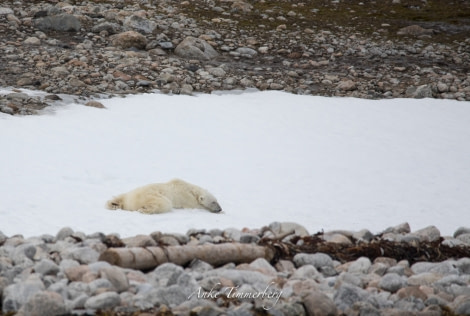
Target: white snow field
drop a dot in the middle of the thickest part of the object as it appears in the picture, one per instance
(326, 163)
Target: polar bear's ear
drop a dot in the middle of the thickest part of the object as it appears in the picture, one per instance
(200, 198)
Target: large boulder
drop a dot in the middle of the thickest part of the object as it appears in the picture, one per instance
(140, 24)
(129, 39)
(195, 48)
(61, 23)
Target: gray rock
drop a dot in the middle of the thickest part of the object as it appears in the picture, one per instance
(60, 23)
(195, 48)
(32, 40)
(347, 295)
(430, 233)
(403, 228)
(443, 268)
(286, 227)
(99, 285)
(23, 253)
(232, 234)
(140, 24)
(246, 52)
(249, 238)
(84, 255)
(16, 295)
(457, 233)
(5, 11)
(361, 265)
(318, 260)
(263, 266)
(463, 308)
(46, 267)
(256, 279)
(420, 92)
(306, 272)
(111, 28)
(64, 233)
(463, 265)
(104, 300)
(45, 303)
(465, 238)
(117, 278)
(165, 274)
(392, 282)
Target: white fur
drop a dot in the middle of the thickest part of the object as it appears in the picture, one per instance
(162, 197)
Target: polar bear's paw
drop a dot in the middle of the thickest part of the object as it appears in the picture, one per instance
(113, 205)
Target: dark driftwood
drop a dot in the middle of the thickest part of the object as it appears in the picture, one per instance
(433, 251)
(215, 254)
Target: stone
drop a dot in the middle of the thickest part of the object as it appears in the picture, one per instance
(414, 30)
(45, 303)
(129, 39)
(426, 278)
(60, 23)
(106, 300)
(443, 268)
(361, 265)
(428, 234)
(411, 292)
(76, 273)
(109, 27)
(117, 278)
(461, 230)
(16, 295)
(64, 233)
(347, 295)
(318, 260)
(95, 104)
(420, 92)
(32, 40)
(84, 255)
(246, 52)
(346, 85)
(139, 241)
(195, 48)
(217, 72)
(464, 238)
(140, 24)
(392, 282)
(263, 266)
(319, 304)
(46, 267)
(285, 227)
(306, 272)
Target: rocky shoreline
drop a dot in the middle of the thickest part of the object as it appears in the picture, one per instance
(404, 273)
(90, 49)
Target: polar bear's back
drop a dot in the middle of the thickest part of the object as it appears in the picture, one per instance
(177, 191)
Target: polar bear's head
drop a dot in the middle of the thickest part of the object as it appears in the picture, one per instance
(208, 202)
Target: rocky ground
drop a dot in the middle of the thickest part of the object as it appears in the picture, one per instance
(90, 48)
(397, 272)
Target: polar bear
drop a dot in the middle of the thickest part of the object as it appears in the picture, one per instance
(162, 197)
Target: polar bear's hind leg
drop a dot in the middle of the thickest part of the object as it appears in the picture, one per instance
(156, 205)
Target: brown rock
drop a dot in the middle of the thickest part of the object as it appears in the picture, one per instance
(411, 291)
(129, 39)
(319, 304)
(95, 104)
(77, 273)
